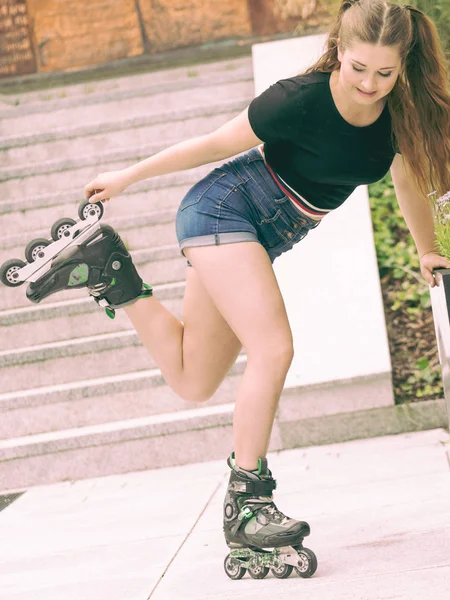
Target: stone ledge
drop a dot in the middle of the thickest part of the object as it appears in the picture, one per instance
(203, 435)
(73, 196)
(119, 95)
(123, 223)
(389, 420)
(77, 306)
(63, 133)
(91, 388)
(89, 160)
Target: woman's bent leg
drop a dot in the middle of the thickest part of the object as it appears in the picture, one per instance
(194, 355)
(241, 282)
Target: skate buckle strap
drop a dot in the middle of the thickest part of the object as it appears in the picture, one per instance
(261, 487)
(146, 292)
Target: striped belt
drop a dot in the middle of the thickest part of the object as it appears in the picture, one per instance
(298, 201)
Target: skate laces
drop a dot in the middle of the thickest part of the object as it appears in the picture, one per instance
(273, 511)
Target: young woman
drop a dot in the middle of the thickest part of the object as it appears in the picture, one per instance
(376, 100)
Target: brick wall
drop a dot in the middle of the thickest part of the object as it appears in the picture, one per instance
(177, 23)
(71, 34)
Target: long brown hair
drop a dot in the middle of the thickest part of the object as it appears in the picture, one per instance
(419, 103)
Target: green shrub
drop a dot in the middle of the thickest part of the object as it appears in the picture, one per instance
(407, 302)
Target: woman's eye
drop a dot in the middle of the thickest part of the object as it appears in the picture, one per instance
(382, 74)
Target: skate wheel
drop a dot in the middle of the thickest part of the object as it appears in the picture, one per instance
(8, 271)
(307, 562)
(257, 571)
(282, 571)
(87, 209)
(60, 227)
(34, 248)
(233, 568)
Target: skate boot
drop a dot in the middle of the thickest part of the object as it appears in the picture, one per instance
(261, 538)
(83, 254)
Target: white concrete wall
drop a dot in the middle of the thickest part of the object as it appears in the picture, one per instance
(330, 279)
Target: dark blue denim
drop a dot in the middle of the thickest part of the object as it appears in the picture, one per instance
(237, 202)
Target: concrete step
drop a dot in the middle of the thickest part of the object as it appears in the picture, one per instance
(195, 435)
(46, 180)
(151, 229)
(33, 460)
(24, 225)
(87, 158)
(135, 136)
(59, 328)
(99, 400)
(127, 87)
(75, 130)
(75, 368)
(149, 193)
(129, 105)
(30, 327)
(151, 263)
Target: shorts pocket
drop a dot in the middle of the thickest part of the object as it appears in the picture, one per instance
(197, 191)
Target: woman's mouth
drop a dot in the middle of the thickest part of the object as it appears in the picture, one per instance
(365, 94)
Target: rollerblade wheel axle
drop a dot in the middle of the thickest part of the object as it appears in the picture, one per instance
(233, 568)
(282, 571)
(87, 209)
(34, 248)
(60, 227)
(8, 272)
(257, 570)
(307, 563)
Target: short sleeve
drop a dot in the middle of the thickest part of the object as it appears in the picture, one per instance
(272, 113)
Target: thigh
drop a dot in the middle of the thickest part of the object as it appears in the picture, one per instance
(210, 347)
(240, 281)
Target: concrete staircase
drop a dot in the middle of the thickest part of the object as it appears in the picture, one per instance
(73, 383)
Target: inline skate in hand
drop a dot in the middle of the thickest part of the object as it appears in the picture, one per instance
(80, 253)
(260, 537)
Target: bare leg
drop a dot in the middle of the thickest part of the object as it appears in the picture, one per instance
(194, 355)
(240, 281)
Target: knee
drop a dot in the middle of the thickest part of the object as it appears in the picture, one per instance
(276, 355)
(196, 393)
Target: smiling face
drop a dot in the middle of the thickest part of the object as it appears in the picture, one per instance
(370, 69)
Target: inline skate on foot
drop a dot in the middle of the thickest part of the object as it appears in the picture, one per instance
(83, 253)
(260, 537)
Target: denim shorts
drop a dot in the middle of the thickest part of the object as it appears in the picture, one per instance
(241, 202)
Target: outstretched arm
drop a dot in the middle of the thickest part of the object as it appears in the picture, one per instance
(418, 214)
(234, 137)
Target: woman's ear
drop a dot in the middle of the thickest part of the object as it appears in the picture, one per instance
(339, 50)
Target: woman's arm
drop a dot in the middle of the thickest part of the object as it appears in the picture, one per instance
(415, 209)
(234, 137)
(418, 214)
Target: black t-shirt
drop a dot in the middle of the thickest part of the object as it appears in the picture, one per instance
(312, 147)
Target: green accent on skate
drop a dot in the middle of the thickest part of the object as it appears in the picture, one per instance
(266, 559)
(246, 513)
(147, 291)
(79, 275)
(110, 312)
(113, 282)
(259, 467)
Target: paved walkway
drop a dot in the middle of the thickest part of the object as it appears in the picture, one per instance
(379, 511)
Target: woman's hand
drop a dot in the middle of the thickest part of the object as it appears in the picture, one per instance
(430, 261)
(105, 186)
